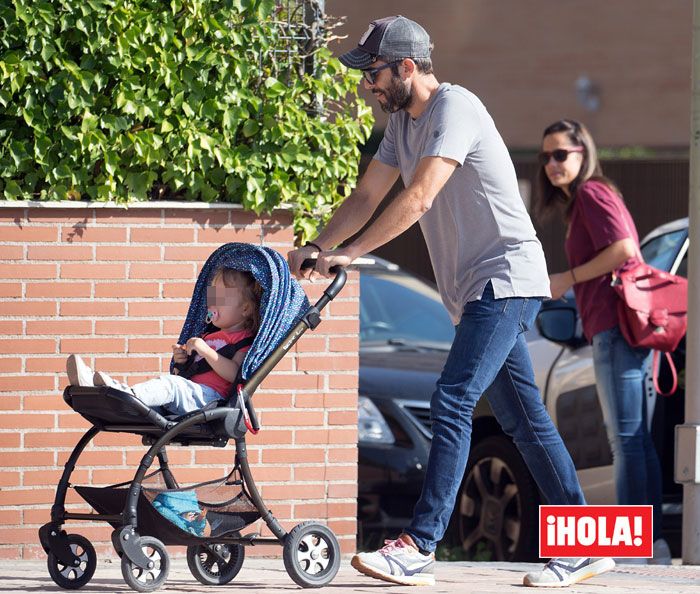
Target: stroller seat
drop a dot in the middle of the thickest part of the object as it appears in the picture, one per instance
(115, 411)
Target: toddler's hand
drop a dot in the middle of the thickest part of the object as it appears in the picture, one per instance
(179, 353)
(196, 345)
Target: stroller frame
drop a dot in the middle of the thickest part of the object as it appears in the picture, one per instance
(72, 558)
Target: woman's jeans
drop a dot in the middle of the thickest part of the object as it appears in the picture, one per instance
(489, 349)
(175, 394)
(619, 374)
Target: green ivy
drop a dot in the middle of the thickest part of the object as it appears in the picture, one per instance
(206, 100)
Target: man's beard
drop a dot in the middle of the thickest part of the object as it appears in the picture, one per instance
(397, 96)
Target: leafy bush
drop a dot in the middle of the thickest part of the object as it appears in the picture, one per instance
(186, 99)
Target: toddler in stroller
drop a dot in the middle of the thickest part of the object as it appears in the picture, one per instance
(153, 510)
(205, 367)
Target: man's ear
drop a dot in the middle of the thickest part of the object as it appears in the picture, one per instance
(408, 67)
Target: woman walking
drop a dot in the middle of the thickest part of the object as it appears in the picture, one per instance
(601, 238)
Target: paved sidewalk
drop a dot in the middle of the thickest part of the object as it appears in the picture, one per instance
(268, 575)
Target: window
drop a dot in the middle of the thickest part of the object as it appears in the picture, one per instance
(402, 308)
(661, 251)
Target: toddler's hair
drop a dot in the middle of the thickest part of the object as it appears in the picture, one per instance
(252, 291)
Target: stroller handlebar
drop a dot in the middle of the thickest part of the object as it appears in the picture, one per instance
(311, 263)
(334, 288)
(310, 320)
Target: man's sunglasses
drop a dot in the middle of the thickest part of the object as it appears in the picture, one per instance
(560, 155)
(370, 74)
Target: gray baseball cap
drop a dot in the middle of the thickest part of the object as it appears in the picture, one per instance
(393, 38)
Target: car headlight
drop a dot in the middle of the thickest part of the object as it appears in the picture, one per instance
(372, 426)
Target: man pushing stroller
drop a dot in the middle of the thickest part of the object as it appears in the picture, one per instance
(460, 184)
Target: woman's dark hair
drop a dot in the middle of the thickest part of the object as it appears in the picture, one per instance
(549, 198)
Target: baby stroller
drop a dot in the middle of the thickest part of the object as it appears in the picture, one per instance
(153, 509)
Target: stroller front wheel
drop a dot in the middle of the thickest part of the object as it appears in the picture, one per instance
(76, 576)
(215, 564)
(147, 580)
(311, 555)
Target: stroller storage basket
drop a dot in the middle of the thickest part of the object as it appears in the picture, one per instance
(224, 506)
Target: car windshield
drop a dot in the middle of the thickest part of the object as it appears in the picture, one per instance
(398, 308)
(661, 251)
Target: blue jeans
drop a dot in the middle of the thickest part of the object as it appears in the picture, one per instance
(489, 349)
(175, 394)
(619, 375)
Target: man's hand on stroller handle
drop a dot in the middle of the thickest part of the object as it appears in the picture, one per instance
(324, 261)
(295, 260)
(342, 257)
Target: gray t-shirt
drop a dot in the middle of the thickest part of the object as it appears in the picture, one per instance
(478, 228)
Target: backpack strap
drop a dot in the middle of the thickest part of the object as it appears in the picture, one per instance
(190, 368)
(655, 365)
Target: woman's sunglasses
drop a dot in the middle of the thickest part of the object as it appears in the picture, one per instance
(560, 155)
(370, 74)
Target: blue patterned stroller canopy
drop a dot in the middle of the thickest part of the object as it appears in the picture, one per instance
(282, 305)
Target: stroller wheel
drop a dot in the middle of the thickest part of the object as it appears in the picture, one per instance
(215, 564)
(76, 576)
(311, 555)
(147, 580)
(116, 544)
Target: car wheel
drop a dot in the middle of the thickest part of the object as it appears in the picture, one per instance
(496, 509)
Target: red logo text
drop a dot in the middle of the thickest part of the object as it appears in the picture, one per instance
(596, 531)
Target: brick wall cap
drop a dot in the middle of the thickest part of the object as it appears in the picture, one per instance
(152, 205)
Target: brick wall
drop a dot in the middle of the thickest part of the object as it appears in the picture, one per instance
(522, 59)
(113, 285)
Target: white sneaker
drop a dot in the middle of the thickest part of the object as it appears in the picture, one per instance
(565, 571)
(662, 553)
(398, 562)
(102, 379)
(79, 374)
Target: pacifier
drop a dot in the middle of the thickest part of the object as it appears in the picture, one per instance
(211, 316)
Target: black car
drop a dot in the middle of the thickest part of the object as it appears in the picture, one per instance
(405, 335)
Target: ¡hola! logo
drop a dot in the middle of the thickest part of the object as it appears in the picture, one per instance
(596, 531)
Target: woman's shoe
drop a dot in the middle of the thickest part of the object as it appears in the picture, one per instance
(632, 561)
(662, 553)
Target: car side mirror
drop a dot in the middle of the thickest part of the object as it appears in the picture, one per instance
(558, 324)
